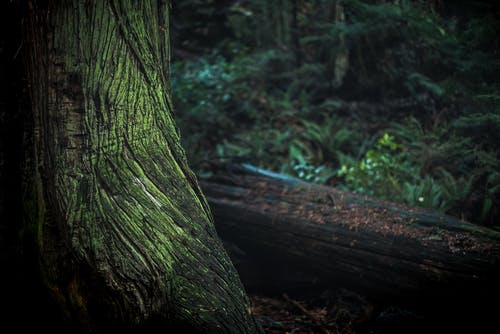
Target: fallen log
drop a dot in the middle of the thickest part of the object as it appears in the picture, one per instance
(286, 234)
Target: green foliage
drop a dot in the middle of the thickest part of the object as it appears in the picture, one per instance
(398, 99)
(425, 193)
(380, 170)
(482, 128)
(462, 168)
(311, 173)
(418, 81)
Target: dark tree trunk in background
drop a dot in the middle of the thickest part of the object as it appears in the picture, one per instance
(123, 234)
(295, 32)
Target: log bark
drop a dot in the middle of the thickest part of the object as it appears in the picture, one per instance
(286, 234)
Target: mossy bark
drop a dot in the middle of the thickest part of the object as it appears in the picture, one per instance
(125, 234)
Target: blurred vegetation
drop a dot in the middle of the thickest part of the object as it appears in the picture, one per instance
(395, 99)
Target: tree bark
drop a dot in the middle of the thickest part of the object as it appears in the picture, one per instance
(295, 34)
(287, 235)
(125, 236)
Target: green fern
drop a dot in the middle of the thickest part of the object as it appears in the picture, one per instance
(426, 193)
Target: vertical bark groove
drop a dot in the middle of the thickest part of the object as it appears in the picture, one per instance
(128, 236)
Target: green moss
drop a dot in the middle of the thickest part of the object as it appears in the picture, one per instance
(117, 180)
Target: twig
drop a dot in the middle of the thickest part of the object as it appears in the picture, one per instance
(316, 320)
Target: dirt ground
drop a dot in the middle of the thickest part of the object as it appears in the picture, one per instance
(342, 312)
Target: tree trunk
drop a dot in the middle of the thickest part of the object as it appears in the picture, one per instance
(289, 235)
(295, 34)
(125, 236)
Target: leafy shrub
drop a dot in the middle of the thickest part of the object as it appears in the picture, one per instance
(381, 171)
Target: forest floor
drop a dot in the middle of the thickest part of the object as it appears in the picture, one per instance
(346, 312)
(343, 313)
(285, 315)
